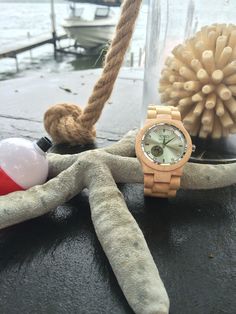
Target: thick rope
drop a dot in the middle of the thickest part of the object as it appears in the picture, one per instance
(68, 123)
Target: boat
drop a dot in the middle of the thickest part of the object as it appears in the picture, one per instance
(95, 31)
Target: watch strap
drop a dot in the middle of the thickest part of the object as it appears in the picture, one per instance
(162, 184)
(167, 111)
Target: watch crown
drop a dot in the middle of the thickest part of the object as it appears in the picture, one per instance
(193, 148)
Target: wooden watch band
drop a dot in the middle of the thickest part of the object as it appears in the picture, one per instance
(162, 183)
(167, 111)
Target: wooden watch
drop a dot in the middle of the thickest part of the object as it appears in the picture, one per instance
(163, 146)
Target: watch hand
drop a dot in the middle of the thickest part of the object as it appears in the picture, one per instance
(170, 140)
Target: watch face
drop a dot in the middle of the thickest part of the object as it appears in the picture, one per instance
(164, 144)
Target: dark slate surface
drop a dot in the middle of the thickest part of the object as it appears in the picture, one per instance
(55, 264)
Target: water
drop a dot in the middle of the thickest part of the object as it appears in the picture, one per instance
(18, 18)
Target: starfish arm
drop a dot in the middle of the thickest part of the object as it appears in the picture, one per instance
(195, 176)
(41, 199)
(125, 169)
(58, 163)
(124, 147)
(125, 246)
(206, 177)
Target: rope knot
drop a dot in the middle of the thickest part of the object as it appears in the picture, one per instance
(63, 124)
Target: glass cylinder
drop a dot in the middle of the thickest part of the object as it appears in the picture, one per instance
(170, 23)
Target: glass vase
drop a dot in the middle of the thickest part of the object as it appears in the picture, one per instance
(170, 22)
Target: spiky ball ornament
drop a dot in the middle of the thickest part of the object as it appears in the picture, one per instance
(200, 79)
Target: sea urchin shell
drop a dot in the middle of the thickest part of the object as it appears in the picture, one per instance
(200, 79)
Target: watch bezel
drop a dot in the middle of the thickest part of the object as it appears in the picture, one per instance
(162, 167)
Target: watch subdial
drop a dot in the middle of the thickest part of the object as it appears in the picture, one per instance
(157, 150)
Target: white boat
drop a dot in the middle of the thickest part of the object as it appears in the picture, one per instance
(93, 32)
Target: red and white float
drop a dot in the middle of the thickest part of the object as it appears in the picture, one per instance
(23, 164)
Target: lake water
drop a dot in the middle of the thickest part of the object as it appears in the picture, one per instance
(18, 18)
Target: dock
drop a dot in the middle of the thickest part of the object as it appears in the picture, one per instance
(13, 50)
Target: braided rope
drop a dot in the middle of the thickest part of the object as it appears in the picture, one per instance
(68, 123)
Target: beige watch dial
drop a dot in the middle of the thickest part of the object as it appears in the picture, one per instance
(164, 144)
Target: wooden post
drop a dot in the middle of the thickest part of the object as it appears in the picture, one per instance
(140, 57)
(132, 59)
(17, 65)
(29, 36)
(53, 24)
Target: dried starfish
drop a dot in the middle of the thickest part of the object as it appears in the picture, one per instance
(122, 240)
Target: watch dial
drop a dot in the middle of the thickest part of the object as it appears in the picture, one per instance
(164, 144)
